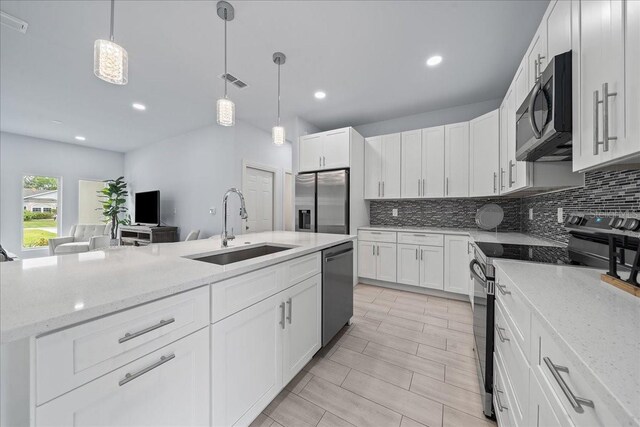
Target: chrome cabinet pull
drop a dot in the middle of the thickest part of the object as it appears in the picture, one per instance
(535, 70)
(502, 288)
(282, 315)
(495, 182)
(382, 188)
(418, 187)
(319, 161)
(324, 161)
(290, 309)
(596, 102)
(446, 186)
(378, 188)
(129, 336)
(605, 117)
(421, 254)
(511, 180)
(374, 250)
(499, 331)
(501, 407)
(540, 70)
(423, 191)
(576, 402)
(131, 377)
(378, 249)
(502, 178)
(416, 254)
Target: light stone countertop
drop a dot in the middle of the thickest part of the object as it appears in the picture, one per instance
(41, 295)
(506, 237)
(596, 324)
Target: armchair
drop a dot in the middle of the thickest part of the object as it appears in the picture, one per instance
(82, 238)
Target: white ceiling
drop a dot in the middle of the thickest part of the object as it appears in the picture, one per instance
(369, 56)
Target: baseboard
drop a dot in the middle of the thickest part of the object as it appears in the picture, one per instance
(414, 289)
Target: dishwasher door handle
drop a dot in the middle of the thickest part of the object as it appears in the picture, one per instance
(338, 255)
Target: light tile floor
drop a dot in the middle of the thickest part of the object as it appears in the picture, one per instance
(406, 361)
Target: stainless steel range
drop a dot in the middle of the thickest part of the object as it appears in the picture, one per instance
(602, 241)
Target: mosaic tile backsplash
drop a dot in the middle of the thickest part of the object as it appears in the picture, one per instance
(603, 191)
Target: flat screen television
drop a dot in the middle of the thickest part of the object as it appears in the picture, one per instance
(147, 208)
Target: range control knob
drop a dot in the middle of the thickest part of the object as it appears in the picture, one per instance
(631, 224)
(576, 220)
(616, 223)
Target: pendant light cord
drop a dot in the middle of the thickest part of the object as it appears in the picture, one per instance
(113, 6)
(279, 92)
(225, 53)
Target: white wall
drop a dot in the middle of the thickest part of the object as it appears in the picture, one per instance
(22, 155)
(431, 118)
(193, 171)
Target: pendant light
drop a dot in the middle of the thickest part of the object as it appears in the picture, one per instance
(277, 132)
(226, 109)
(110, 60)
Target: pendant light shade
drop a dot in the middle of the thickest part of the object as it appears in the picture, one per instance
(225, 108)
(110, 60)
(277, 132)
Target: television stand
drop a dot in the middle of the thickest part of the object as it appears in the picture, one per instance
(142, 235)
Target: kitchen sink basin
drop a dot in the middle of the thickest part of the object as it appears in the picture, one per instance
(242, 254)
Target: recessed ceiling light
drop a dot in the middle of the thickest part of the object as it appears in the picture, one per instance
(81, 138)
(138, 106)
(320, 95)
(56, 122)
(434, 60)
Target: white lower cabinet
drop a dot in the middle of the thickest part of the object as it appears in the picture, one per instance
(167, 387)
(456, 268)
(542, 410)
(421, 266)
(377, 260)
(257, 351)
(409, 264)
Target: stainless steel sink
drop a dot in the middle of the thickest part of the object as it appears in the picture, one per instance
(242, 254)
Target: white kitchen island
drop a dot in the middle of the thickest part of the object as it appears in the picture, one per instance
(147, 336)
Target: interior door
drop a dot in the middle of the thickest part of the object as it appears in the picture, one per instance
(373, 167)
(456, 141)
(484, 146)
(432, 267)
(310, 152)
(244, 384)
(336, 149)
(409, 264)
(386, 261)
(411, 165)
(258, 194)
(391, 159)
(302, 327)
(367, 260)
(433, 161)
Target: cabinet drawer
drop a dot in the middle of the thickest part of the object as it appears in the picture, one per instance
(501, 403)
(550, 355)
(302, 268)
(74, 356)
(377, 236)
(514, 366)
(168, 387)
(515, 309)
(422, 239)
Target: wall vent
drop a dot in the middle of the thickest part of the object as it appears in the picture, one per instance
(234, 81)
(13, 22)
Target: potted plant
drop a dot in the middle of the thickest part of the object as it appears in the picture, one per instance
(113, 198)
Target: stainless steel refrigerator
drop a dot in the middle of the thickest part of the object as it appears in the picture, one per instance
(322, 202)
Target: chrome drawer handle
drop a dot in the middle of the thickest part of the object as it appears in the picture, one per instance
(131, 377)
(128, 336)
(499, 331)
(501, 407)
(282, 315)
(290, 309)
(502, 289)
(575, 401)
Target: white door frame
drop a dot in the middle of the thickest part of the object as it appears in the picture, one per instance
(293, 198)
(275, 171)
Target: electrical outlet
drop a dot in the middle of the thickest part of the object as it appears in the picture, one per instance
(394, 212)
(560, 215)
(531, 213)
(212, 211)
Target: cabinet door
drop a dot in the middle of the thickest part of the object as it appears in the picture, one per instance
(310, 152)
(504, 143)
(303, 326)
(632, 61)
(521, 84)
(411, 165)
(433, 162)
(484, 147)
(537, 56)
(517, 173)
(174, 390)
(541, 412)
(391, 148)
(456, 168)
(559, 28)
(244, 384)
(409, 264)
(386, 262)
(367, 260)
(456, 269)
(336, 149)
(373, 168)
(432, 267)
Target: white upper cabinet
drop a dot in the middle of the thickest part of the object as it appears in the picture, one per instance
(456, 159)
(382, 167)
(325, 150)
(504, 146)
(558, 23)
(605, 73)
(521, 84)
(537, 55)
(433, 162)
(411, 165)
(484, 147)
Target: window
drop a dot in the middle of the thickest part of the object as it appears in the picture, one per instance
(40, 215)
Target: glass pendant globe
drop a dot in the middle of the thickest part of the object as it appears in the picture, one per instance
(110, 62)
(226, 112)
(278, 134)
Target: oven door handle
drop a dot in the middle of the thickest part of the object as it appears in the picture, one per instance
(532, 100)
(475, 267)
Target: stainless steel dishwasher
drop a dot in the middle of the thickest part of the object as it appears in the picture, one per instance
(337, 289)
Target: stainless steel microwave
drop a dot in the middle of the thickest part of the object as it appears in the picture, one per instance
(543, 121)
